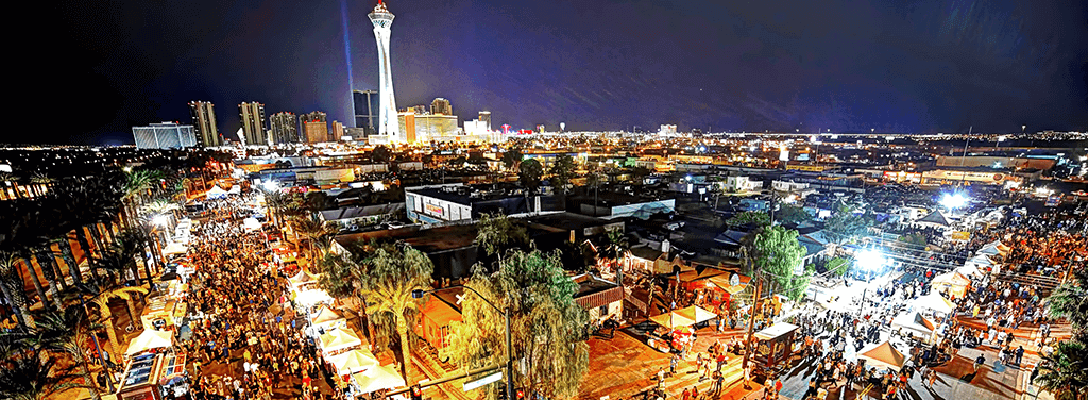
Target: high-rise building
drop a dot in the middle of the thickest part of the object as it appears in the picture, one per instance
(485, 117)
(253, 123)
(204, 127)
(337, 131)
(164, 135)
(315, 127)
(365, 109)
(284, 128)
(422, 128)
(441, 106)
(387, 112)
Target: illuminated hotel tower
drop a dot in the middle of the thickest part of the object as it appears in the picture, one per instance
(387, 111)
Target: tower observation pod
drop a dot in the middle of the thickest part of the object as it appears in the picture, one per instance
(387, 105)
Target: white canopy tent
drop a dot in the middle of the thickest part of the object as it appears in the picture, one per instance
(378, 378)
(216, 192)
(150, 339)
(354, 361)
(934, 301)
(251, 224)
(915, 323)
(340, 339)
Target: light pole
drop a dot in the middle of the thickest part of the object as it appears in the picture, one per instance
(418, 294)
(869, 259)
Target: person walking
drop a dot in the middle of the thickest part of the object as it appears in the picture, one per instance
(979, 361)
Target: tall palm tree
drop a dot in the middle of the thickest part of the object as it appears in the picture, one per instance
(12, 286)
(312, 229)
(1064, 372)
(105, 317)
(25, 258)
(66, 333)
(393, 273)
(36, 377)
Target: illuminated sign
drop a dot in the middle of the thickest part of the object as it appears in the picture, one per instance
(433, 209)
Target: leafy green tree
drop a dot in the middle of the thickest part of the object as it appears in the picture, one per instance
(547, 325)
(530, 173)
(393, 272)
(562, 172)
(913, 240)
(1064, 373)
(844, 223)
(313, 230)
(512, 157)
(837, 266)
(381, 154)
(640, 173)
(615, 245)
(497, 233)
(776, 253)
(789, 213)
(756, 218)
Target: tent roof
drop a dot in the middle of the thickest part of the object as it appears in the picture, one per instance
(326, 315)
(377, 378)
(340, 339)
(884, 355)
(697, 314)
(776, 330)
(951, 278)
(915, 321)
(672, 320)
(934, 301)
(150, 339)
(354, 360)
(935, 217)
(723, 282)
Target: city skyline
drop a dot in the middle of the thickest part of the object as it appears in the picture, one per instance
(925, 68)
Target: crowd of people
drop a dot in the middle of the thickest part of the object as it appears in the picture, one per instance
(242, 335)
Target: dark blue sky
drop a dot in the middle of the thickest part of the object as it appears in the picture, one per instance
(843, 65)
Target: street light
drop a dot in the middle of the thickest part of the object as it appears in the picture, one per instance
(870, 260)
(418, 294)
(953, 201)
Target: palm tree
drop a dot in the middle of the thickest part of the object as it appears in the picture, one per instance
(312, 229)
(105, 317)
(36, 377)
(25, 257)
(67, 333)
(1070, 300)
(393, 273)
(1065, 371)
(12, 286)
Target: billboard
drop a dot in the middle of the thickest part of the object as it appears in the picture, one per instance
(434, 210)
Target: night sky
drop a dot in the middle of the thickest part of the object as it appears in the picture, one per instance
(896, 66)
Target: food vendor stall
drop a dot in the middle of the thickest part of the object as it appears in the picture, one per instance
(773, 347)
(149, 375)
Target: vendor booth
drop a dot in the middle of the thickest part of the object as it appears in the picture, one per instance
(353, 361)
(377, 378)
(773, 347)
(150, 376)
(883, 356)
(150, 339)
(953, 283)
(339, 340)
(327, 319)
(216, 192)
(914, 325)
(933, 302)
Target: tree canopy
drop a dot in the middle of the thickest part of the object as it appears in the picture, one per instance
(511, 157)
(496, 233)
(845, 223)
(562, 171)
(776, 253)
(789, 213)
(755, 218)
(530, 173)
(393, 272)
(547, 325)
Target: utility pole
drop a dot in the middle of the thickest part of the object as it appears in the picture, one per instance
(751, 324)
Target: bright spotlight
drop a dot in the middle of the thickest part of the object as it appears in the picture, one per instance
(869, 259)
(953, 201)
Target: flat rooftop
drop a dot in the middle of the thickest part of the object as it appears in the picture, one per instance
(425, 240)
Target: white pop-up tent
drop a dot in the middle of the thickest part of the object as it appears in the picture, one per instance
(915, 323)
(354, 361)
(150, 339)
(378, 378)
(934, 301)
(216, 192)
(340, 339)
